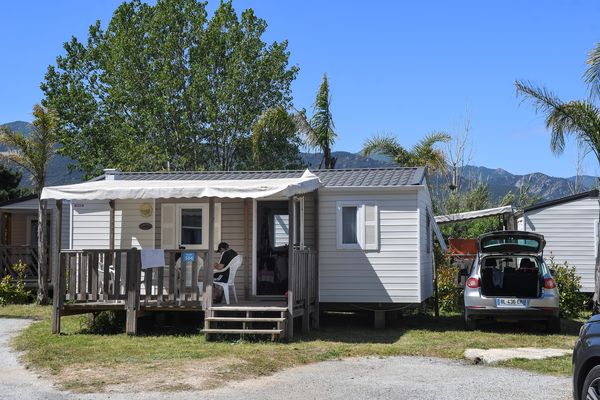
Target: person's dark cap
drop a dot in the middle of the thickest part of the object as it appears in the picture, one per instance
(222, 246)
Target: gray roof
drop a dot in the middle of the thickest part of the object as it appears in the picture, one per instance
(356, 177)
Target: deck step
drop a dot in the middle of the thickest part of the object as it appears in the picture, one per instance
(244, 319)
(248, 308)
(242, 331)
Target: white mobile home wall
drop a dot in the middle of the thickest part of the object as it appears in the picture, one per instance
(570, 230)
(392, 274)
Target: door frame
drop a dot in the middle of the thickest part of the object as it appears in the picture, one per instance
(298, 219)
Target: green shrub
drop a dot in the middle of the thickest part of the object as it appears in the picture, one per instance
(572, 301)
(12, 291)
(450, 297)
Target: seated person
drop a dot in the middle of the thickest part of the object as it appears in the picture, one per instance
(221, 269)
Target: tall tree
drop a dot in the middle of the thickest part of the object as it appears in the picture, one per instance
(579, 119)
(9, 183)
(319, 131)
(165, 84)
(33, 153)
(423, 154)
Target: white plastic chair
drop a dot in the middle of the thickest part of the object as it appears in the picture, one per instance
(234, 265)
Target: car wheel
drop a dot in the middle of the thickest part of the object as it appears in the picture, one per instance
(591, 385)
(553, 325)
(470, 323)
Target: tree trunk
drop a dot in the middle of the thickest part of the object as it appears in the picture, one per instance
(596, 308)
(329, 161)
(42, 293)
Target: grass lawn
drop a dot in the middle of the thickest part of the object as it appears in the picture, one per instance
(87, 362)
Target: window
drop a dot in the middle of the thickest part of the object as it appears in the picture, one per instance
(191, 226)
(349, 225)
(280, 230)
(357, 225)
(186, 224)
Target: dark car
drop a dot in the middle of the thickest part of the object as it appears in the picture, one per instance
(586, 361)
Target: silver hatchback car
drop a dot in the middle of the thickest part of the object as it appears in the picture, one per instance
(509, 280)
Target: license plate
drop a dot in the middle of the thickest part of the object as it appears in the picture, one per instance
(513, 303)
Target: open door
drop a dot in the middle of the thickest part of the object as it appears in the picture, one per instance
(272, 244)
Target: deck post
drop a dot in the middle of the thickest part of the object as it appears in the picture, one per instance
(292, 270)
(58, 274)
(111, 229)
(247, 250)
(316, 310)
(209, 265)
(2, 223)
(133, 291)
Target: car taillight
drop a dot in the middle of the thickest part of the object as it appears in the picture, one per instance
(549, 283)
(473, 283)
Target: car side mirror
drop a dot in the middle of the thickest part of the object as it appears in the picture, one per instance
(552, 271)
(463, 272)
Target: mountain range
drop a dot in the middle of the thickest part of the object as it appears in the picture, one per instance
(498, 180)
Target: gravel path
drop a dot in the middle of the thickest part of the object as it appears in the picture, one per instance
(374, 378)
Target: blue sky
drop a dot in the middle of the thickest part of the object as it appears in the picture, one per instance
(403, 68)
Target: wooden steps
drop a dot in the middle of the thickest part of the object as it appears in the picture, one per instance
(248, 308)
(245, 331)
(246, 320)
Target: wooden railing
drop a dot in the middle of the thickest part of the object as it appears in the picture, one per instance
(13, 254)
(303, 288)
(96, 279)
(108, 275)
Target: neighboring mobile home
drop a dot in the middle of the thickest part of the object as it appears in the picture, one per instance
(570, 227)
(347, 237)
(18, 235)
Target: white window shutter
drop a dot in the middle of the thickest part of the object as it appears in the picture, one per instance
(217, 225)
(371, 229)
(167, 227)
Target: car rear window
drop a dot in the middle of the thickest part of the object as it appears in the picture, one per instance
(505, 243)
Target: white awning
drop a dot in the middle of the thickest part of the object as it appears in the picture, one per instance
(160, 189)
(506, 210)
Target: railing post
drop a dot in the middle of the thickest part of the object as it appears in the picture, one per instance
(133, 291)
(59, 293)
(209, 264)
(316, 309)
(58, 273)
(292, 269)
(306, 287)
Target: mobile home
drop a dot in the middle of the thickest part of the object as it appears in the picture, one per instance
(570, 227)
(308, 239)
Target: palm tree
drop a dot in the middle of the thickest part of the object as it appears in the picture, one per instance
(592, 75)
(33, 153)
(319, 131)
(579, 119)
(423, 154)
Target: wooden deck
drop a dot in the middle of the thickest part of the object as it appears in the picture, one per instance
(90, 281)
(10, 255)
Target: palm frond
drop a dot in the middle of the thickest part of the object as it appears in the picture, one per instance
(550, 106)
(431, 140)
(385, 145)
(592, 74)
(578, 118)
